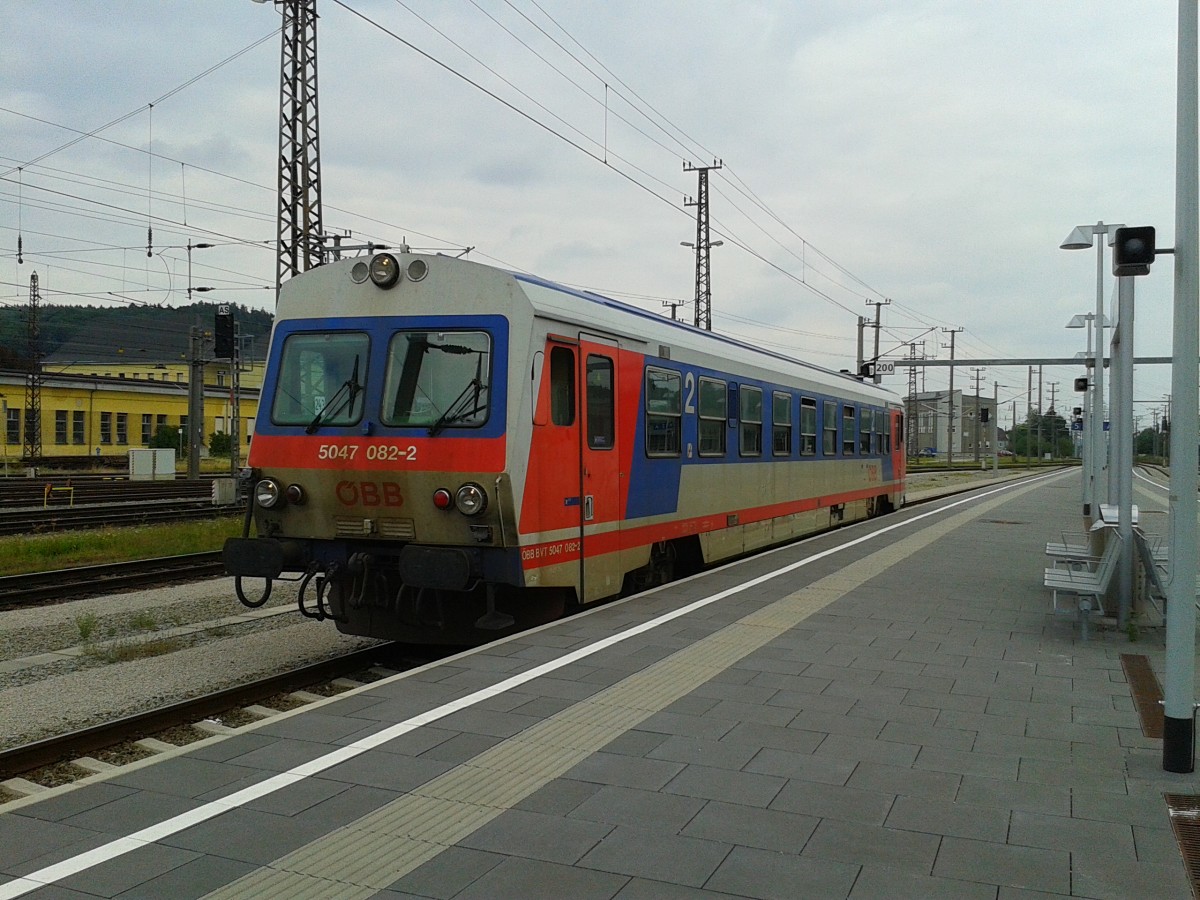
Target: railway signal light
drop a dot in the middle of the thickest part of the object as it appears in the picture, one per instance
(1133, 250)
(223, 333)
(1081, 385)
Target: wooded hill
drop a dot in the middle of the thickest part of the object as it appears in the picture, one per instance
(94, 334)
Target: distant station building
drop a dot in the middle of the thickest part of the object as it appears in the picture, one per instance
(929, 414)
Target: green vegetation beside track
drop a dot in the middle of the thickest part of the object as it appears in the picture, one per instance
(69, 549)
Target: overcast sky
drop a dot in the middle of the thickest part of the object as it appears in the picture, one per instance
(934, 154)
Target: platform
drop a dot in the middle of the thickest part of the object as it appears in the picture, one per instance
(887, 711)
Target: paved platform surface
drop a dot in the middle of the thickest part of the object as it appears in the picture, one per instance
(902, 717)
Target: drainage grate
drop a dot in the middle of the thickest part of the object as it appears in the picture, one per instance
(1002, 522)
(1146, 691)
(1184, 810)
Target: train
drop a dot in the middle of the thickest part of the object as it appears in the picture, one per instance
(446, 452)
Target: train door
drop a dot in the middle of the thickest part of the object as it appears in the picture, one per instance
(599, 470)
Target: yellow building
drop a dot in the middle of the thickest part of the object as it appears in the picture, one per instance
(103, 410)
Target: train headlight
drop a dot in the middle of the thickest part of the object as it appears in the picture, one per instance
(471, 499)
(385, 270)
(267, 493)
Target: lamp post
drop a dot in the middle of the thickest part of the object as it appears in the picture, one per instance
(1083, 237)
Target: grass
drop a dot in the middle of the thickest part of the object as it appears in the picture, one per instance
(65, 550)
(127, 651)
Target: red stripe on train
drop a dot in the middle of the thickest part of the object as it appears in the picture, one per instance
(385, 454)
(534, 556)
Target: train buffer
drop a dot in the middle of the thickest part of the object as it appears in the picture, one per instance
(49, 493)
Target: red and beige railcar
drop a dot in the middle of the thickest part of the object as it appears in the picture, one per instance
(447, 451)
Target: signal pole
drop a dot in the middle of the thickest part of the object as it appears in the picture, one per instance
(703, 245)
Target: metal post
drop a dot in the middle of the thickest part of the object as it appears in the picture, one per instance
(1089, 449)
(235, 424)
(1099, 486)
(1122, 463)
(1179, 725)
(195, 402)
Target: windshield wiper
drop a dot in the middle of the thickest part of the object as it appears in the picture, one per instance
(337, 402)
(467, 404)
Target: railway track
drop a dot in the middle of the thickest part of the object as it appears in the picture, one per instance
(69, 584)
(50, 751)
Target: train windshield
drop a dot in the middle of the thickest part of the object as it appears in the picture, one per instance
(321, 376)
(438, 379)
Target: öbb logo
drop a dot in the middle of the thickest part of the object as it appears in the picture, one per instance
(369, 493)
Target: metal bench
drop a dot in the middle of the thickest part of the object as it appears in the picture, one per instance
(1072, 546)
(1086, 579)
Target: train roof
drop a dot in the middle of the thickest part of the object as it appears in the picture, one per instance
(608, 312)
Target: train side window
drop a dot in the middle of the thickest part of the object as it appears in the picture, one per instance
(600, 428)
(808, 426)
(883, 436)
(781, 423)
(712, 412)
(866, 429)
(664, 412)
(899, 429)
(829, 428)
(751, 417)
(849, 420)
(562, 386)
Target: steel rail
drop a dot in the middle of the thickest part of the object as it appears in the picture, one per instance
(52, 750)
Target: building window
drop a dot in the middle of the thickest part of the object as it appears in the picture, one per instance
(751, 409)
(106, 428)
(829, 428)
(60, 426)
(664, 412)
(712, 412)
(781, 424)
(221, 378)
(78, 427)
(808, 426)
(849, 420)
(160, 421)
(12, 427)
(147, 428)
(122, 428)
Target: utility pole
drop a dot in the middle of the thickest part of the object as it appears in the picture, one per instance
(950, 402)
(1053, 410)
(977, 375)
(862, 325)
(299, 227)
(878, 304)
(674, 304)
(703, 245)
(33, 379)
(910, 434)
(1041, 417)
